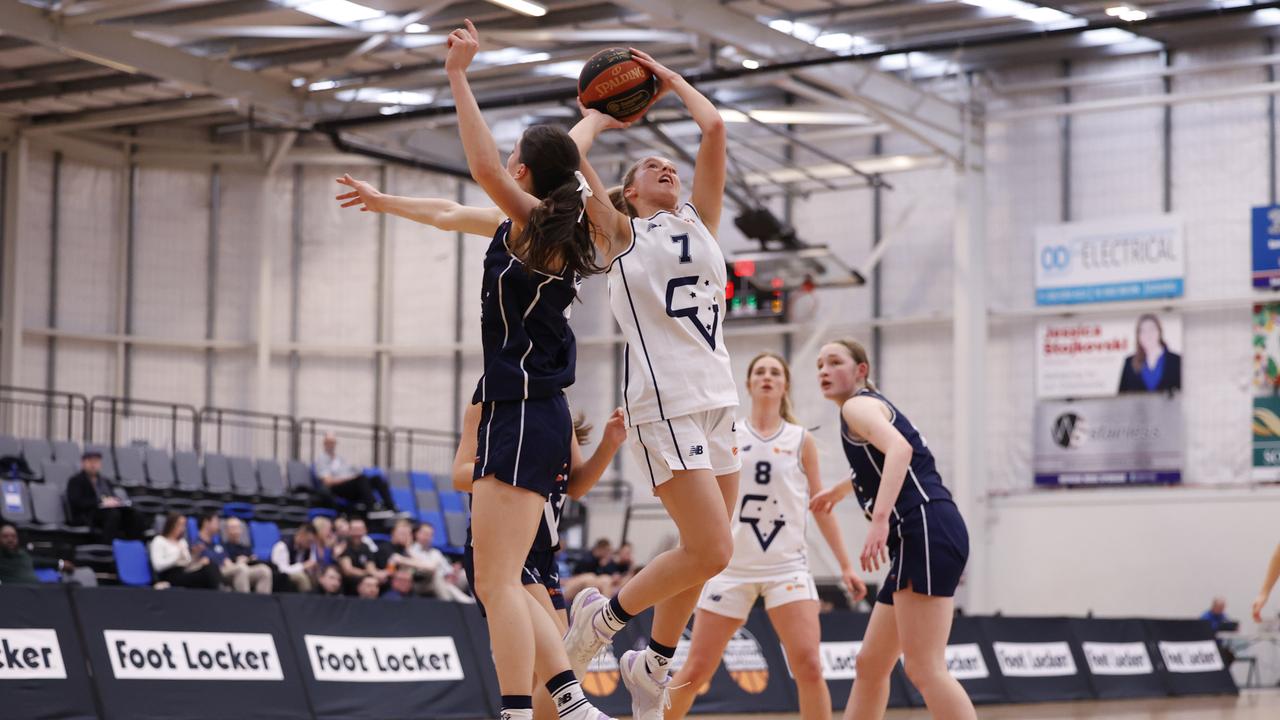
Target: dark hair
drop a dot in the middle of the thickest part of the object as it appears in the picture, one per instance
(306, 527)
(171, 521)
(205, 518)
(558, 232)
(601, 544)
(1140, 354)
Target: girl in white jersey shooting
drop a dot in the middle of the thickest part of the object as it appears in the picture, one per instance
(770, 557)
(666, 285)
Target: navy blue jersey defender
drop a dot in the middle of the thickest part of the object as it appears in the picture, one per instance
(928, 542)
(529, 349)
(923, 482)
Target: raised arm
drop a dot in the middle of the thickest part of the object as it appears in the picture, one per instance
(827, 523)
(584, 475)
(709, 168)
(613, 228)
(464, 460)
(477, 141)
(436, 212)
(869, 419)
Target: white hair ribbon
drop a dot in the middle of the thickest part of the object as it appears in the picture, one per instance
(584, 191)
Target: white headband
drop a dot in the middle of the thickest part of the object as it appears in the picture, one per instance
(584, 192)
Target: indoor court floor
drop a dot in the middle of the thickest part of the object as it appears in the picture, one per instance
(1251, 705)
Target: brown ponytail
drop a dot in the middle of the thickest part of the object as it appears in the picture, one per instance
(859, 355)
(558, 236)
(788, 412)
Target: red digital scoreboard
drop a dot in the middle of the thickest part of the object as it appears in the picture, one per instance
(752, 297)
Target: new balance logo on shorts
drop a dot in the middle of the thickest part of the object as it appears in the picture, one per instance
(716, 598)
(695, 449)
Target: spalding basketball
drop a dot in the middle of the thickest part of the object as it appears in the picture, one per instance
(615, 84)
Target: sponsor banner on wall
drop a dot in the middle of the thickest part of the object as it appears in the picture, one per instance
(194, 655)
(1037, 659)
(842, 633)
(153, 655)
(971, 661)
(1266, 392)
(1189, 657)
(1131, 258)
(375, 660)
(1266, 246)
(1128, 440)
(1119, 657)
(1084, 358)
(42, 668)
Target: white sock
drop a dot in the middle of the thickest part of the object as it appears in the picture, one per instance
(659, 666)
(571, 704)
(606, 622)
(523, 714)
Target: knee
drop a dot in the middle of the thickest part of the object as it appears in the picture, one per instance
(923, 673)
(698, 670)
(806, 667)
(488, 588)
(870, 666)
(714, 556)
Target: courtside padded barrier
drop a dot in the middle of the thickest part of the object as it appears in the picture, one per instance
(200, 654)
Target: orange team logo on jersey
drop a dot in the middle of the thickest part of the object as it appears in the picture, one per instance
(735, 449)
(602, 676)
(782, 451)
(745, 661)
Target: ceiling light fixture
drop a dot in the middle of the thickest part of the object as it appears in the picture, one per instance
(524, 7)
(751, 64)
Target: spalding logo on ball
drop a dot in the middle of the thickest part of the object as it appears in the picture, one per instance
(615, 84)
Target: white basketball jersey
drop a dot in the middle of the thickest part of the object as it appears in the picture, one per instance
(772, 514)
(667, 294)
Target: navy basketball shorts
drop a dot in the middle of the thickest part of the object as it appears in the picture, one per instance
(524, 443)
(927, 552)
(540, 568)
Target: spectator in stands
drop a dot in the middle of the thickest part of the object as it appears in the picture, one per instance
(341, 533)
(172, 562)
(1216, 615)
(440, 578)
(209, 545)
(329, 582)
(95, 501)
(401, 585)
(368, 588)
(17, 566)
(325, 539)
(296, 558)
(620, 564)
(360, 559)
(258, 574)
(338, 478)
(590, 571)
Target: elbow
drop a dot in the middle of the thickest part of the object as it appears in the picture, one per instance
(486, 175)
(714, 128)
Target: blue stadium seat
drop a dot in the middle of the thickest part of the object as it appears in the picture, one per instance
(451, 501)
(48, 575)
(314, 513)
(403, 498)
(265, 535)
(241, 510)
(132, 564)
(193, 530)
(422, 481)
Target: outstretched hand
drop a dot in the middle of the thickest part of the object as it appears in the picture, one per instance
(362, 193)
(463, 45)
(665, 75)
(603, 120)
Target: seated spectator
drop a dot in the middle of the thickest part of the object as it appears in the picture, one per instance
(590, 571)
(208, 545)
(172, 562)
(360, 559)
(341, 533)
(401, 585)
(259, 575)
(296, 558)
(335, 477)
(329, 582)
(325, 539)
(95, 501)
(441, 578)
(1216, 615)
(368, 588)
(17, 566)
(620, 565)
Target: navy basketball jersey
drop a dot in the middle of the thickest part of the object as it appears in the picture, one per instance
(529, 349)
(923, 483)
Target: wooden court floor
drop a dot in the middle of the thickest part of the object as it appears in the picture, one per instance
(1251, 705)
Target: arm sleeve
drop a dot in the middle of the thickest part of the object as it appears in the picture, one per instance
(164, 555)
(280, 558)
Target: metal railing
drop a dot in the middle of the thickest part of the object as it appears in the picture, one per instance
(118, 421)
(420, 449)
(34, 412)
(247, 433)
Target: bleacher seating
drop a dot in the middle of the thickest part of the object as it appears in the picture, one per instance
(132, 562)
(217, 474)
(188, 476)
(264, 535)
(15, 502)
(66, 451)
(270, 479)
(159, 468)
(10, 446)
(244, 478)
(58, 473)
(130, 469)
(36, 451)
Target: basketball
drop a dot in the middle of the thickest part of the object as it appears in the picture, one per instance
(615, 84)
